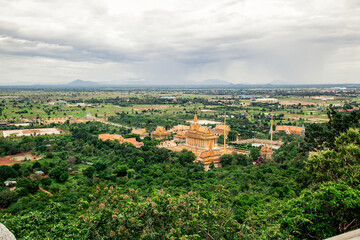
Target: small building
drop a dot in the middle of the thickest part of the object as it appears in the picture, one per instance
(61, 102)
(180, 137)
(220, 129)
(211, 156)
(160, 133)
(291, 130)
(179, 128)
(31, 132)
(134, 142)
(266, 152)
(120, 139)
(9, 183)
(142, 132)
(40, 173)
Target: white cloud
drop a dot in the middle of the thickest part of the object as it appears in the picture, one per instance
(169, 41)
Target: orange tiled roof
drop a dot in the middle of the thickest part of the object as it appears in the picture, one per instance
(222, 127)
(180, 128)
(180, 135)
(110, 137)
(291, 129)
(134, 142)
(160, 129)
(30, 131)
(140, 132)
(118, 137)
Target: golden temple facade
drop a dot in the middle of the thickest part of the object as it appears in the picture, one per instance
(199, 136)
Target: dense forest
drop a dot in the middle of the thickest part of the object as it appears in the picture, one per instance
(107, 190)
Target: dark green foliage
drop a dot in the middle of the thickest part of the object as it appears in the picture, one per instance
(89, 171)
(186, 157)
(99, 166)
(278, 200)
(117, 215)
(341, 164)
(332, 209)
(63, 177)
(36, 165)
(26, 186)
(57, 172)
(121, 171)
(45, 181)
(7, 172)
(324, 135)
(7, 197)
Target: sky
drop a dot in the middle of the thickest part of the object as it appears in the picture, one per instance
(171, 42)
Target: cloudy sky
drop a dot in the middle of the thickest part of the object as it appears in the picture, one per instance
(173, 41)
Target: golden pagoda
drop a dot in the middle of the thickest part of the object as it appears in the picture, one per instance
(211, 156)
(160, 133)
(199, 136)
(265, 151)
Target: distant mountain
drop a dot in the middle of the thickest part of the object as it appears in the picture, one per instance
(79, 82)
(211, 82)
(281, 82)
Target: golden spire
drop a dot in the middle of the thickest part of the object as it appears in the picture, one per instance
(195, 118)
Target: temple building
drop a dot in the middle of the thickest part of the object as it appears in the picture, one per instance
(291, 130)
(120, 139)
(220, 129)
(180, 137)
(180, 128)
(266, 152)
(160, 133)
(199, 136)
(142, 132)
(201, 141)
(211, 156)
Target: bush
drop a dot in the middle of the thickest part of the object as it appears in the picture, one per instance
(7, 172)
(45, 181)
(7, 197)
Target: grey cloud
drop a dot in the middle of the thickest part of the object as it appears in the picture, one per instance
(287, 40)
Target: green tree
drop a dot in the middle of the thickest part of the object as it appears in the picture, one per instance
(7, 172)
(332, 209)
(63, 177)
(7, 197)
(57, 172)
(89, 171)
(45, 181)
(232, 135)
(341, 164)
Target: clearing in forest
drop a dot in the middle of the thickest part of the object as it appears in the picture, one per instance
(12, 159)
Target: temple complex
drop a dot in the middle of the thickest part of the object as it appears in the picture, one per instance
(220, 129)
(120, 139)
(200, 141)
(180, 137)
(142, 132)
(160, 133)
(180, 128)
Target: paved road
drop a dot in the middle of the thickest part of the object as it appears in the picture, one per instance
(114, 124)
